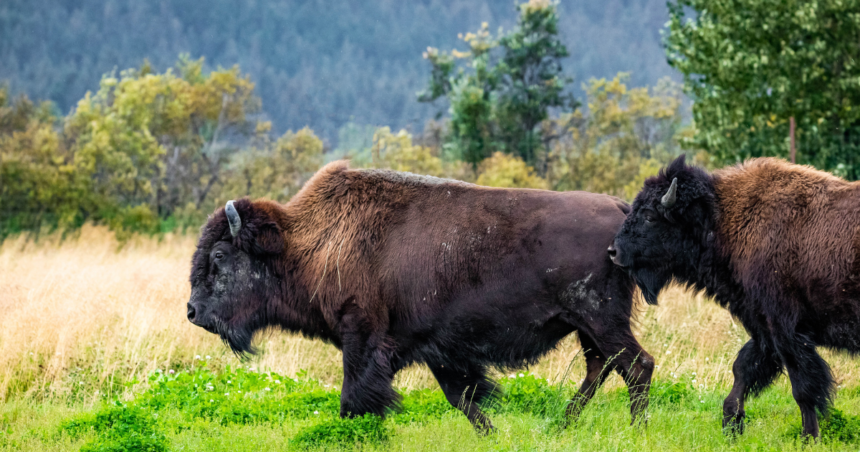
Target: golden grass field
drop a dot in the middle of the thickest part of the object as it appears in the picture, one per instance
(87, 311)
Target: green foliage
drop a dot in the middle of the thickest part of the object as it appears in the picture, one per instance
(38, 184)
(750, 65)
(158, 140)
(670, 393)
(422, 405)
(500, 103)
(838, 426)
(119, 428)
(531, 394)
(834, 427)
(185, 403)
(398, 152)
(531, 78)
(625, 137)
(145, 153)
(238, 396)
(502, 170)
(274, 170)
(151, 153)
(362, 429)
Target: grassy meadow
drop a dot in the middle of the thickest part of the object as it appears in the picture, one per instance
(96, 355)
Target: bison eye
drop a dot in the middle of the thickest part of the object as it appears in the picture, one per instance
(219, 255)
(650, 217)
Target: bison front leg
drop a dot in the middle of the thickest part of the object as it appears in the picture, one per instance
(466, 390)
(754, 370)
(367, 371)
(596, 373)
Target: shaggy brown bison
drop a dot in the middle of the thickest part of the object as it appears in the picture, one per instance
(395, 268)
(778, 245)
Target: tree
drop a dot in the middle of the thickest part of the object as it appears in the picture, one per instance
(513, 83)
(625, 137)
(152, 143)
(274, 170)
(752, 65)
(503, 170)
(38, 184)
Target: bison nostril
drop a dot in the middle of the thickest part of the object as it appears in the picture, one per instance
(191, 312)
(612, 251)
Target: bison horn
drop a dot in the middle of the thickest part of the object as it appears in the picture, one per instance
(671, 196)
(233, 218)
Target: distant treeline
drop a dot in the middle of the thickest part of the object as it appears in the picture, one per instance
(154, 153)
(157, 150)
(316, 63)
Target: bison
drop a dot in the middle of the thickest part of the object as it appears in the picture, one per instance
(395, 268)
(778, 245)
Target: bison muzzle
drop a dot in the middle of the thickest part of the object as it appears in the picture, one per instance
(394, 269)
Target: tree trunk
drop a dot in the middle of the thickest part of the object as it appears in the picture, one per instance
(791, 127)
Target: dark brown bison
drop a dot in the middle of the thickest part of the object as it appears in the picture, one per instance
(778, 245)
(394, 268)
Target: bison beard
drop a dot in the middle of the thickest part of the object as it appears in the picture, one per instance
(778, 245)
(395, 269)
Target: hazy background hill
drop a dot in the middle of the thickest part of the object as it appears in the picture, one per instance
(320, 63)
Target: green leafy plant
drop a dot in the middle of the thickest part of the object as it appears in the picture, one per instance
(752, 65)
(368, 428)
(513, 82)
(120, 428)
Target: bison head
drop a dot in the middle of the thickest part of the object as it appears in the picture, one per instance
(667, 229)
(234, 273)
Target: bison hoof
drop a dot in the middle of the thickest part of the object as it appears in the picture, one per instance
(733, 425)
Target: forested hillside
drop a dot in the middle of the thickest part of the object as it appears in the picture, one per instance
(315, 63)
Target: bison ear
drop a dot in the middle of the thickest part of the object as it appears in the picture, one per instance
(677, 165)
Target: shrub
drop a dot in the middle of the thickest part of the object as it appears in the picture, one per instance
(367, 428)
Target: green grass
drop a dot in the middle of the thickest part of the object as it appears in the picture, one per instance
(238, 409)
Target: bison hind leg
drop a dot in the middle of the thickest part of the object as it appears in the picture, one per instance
(597, 370)
(467, 389)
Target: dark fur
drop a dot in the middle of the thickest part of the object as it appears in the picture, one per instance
(775, 243)
(396, 269)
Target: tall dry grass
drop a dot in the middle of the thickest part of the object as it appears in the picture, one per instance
(83, 315)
